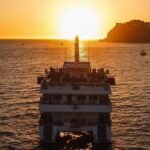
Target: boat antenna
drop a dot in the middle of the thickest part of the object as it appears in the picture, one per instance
(65, 52)
(76, 49)
(88, 50)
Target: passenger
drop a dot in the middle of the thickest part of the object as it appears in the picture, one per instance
(107, 71)
(94, 71)
(46, 71)
(51, 69)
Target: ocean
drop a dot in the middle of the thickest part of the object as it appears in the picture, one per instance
(22, 61)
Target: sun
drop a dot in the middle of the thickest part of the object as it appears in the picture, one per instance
(79, 21)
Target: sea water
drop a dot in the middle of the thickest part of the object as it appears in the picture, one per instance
(22, 61)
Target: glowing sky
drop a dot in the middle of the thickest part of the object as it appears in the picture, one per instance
(48, 18)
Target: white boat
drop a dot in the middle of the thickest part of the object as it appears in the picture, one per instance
(75, 97)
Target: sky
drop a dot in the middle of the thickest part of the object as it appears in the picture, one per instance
(64, 18)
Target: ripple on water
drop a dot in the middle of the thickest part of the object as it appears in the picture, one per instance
(19, 94)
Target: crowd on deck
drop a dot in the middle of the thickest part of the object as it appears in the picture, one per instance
(61, 75)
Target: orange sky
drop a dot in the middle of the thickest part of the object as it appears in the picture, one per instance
(45, 18)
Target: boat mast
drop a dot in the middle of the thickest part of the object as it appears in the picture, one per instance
(77, 49)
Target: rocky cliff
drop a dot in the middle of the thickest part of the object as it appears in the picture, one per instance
(134, 31)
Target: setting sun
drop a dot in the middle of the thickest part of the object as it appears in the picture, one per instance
(50, 19)
(81, 21)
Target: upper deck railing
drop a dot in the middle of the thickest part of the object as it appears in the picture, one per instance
(60, 76)
(76, 72)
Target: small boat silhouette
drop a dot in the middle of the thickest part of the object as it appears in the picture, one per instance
(143, 53)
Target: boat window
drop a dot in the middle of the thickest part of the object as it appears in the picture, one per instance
(69, 99)
(44, 100)
(104, 100)
(93, 97)
(50, 97)
(57, 97)
(104, 97)
(81, 97)
(45, 96)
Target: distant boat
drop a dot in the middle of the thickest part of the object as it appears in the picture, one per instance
(143, 53)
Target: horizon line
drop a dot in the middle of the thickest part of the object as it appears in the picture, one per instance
(70, 39)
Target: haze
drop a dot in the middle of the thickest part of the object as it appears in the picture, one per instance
(48, 18)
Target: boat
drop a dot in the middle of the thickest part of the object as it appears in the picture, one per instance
(75, 98)
(143, 53)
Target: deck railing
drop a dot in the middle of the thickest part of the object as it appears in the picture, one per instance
(46, 100)
(74, 123)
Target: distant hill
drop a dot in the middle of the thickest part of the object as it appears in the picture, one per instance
(134, 31)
